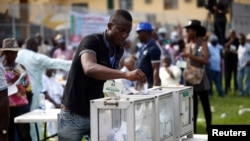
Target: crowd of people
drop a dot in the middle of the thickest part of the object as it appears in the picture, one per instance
(157, 59)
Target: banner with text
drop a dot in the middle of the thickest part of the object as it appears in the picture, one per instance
(85, 24)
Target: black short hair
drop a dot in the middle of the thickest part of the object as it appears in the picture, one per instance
(31, 43)
(120, 12)
(167, 59)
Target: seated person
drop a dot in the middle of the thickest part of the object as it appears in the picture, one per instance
(169, 74)
(53, 92)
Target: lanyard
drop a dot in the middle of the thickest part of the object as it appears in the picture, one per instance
(111, 59)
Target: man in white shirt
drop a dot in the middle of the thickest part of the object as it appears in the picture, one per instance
(53, 92)
(243, 65)
(35, 64)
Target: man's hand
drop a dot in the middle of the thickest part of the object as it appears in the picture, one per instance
(57, 106)
(136, 75)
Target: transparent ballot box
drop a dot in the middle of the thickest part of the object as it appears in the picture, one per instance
(183, 110)
(123, 119)
(163, 111)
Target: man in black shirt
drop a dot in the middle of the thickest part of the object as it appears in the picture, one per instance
(95, 61)
(149, 59)
(231, 60)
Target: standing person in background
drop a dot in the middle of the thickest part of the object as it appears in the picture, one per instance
(220, 9)
(42, 48)
(215, 61)
(35, 65)
(62, 51)
(163, 38)
(243, 74)
(159, 43)
(179, 47)
(197, 52)
(97, 59)
(231, 60)
(18, 101)
(175, 34)
(150, 55)
(4, 106)
(54, 40)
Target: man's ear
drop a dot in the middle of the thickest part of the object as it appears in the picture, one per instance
(110, 25)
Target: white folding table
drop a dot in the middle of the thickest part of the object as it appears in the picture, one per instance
(37, 116)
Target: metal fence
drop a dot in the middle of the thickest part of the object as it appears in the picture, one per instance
(21, 21)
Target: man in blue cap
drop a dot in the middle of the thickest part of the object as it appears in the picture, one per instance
(149, 54)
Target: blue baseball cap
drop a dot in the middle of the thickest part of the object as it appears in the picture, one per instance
(144, 26)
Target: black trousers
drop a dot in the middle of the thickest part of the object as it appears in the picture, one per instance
(230, 73)
(203, 97)
(220, 30)
(23, 129)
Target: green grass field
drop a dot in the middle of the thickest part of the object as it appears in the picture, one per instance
(225, 110)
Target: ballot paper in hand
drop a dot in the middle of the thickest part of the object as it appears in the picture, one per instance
(145, 88)
(142, 88)
(12, 89)
(20, 79)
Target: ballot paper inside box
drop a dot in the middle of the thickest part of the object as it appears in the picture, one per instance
(183, 110)
(124, 119)
(163, 111)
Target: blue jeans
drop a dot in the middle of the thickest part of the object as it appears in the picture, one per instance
(244, 87)
(72, 127)
(215, 76)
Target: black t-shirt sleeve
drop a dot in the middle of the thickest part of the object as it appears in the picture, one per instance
(88, 44)
(155, 54)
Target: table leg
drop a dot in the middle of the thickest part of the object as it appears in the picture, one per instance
(37, 133)
(45, 137)
(45, 131)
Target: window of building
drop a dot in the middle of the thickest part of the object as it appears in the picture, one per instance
(80, 7)
(151, 18)
(200, 3)
(170, 4)
(110, 4)
(126, 4)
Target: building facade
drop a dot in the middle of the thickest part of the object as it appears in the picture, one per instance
(45, 15)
